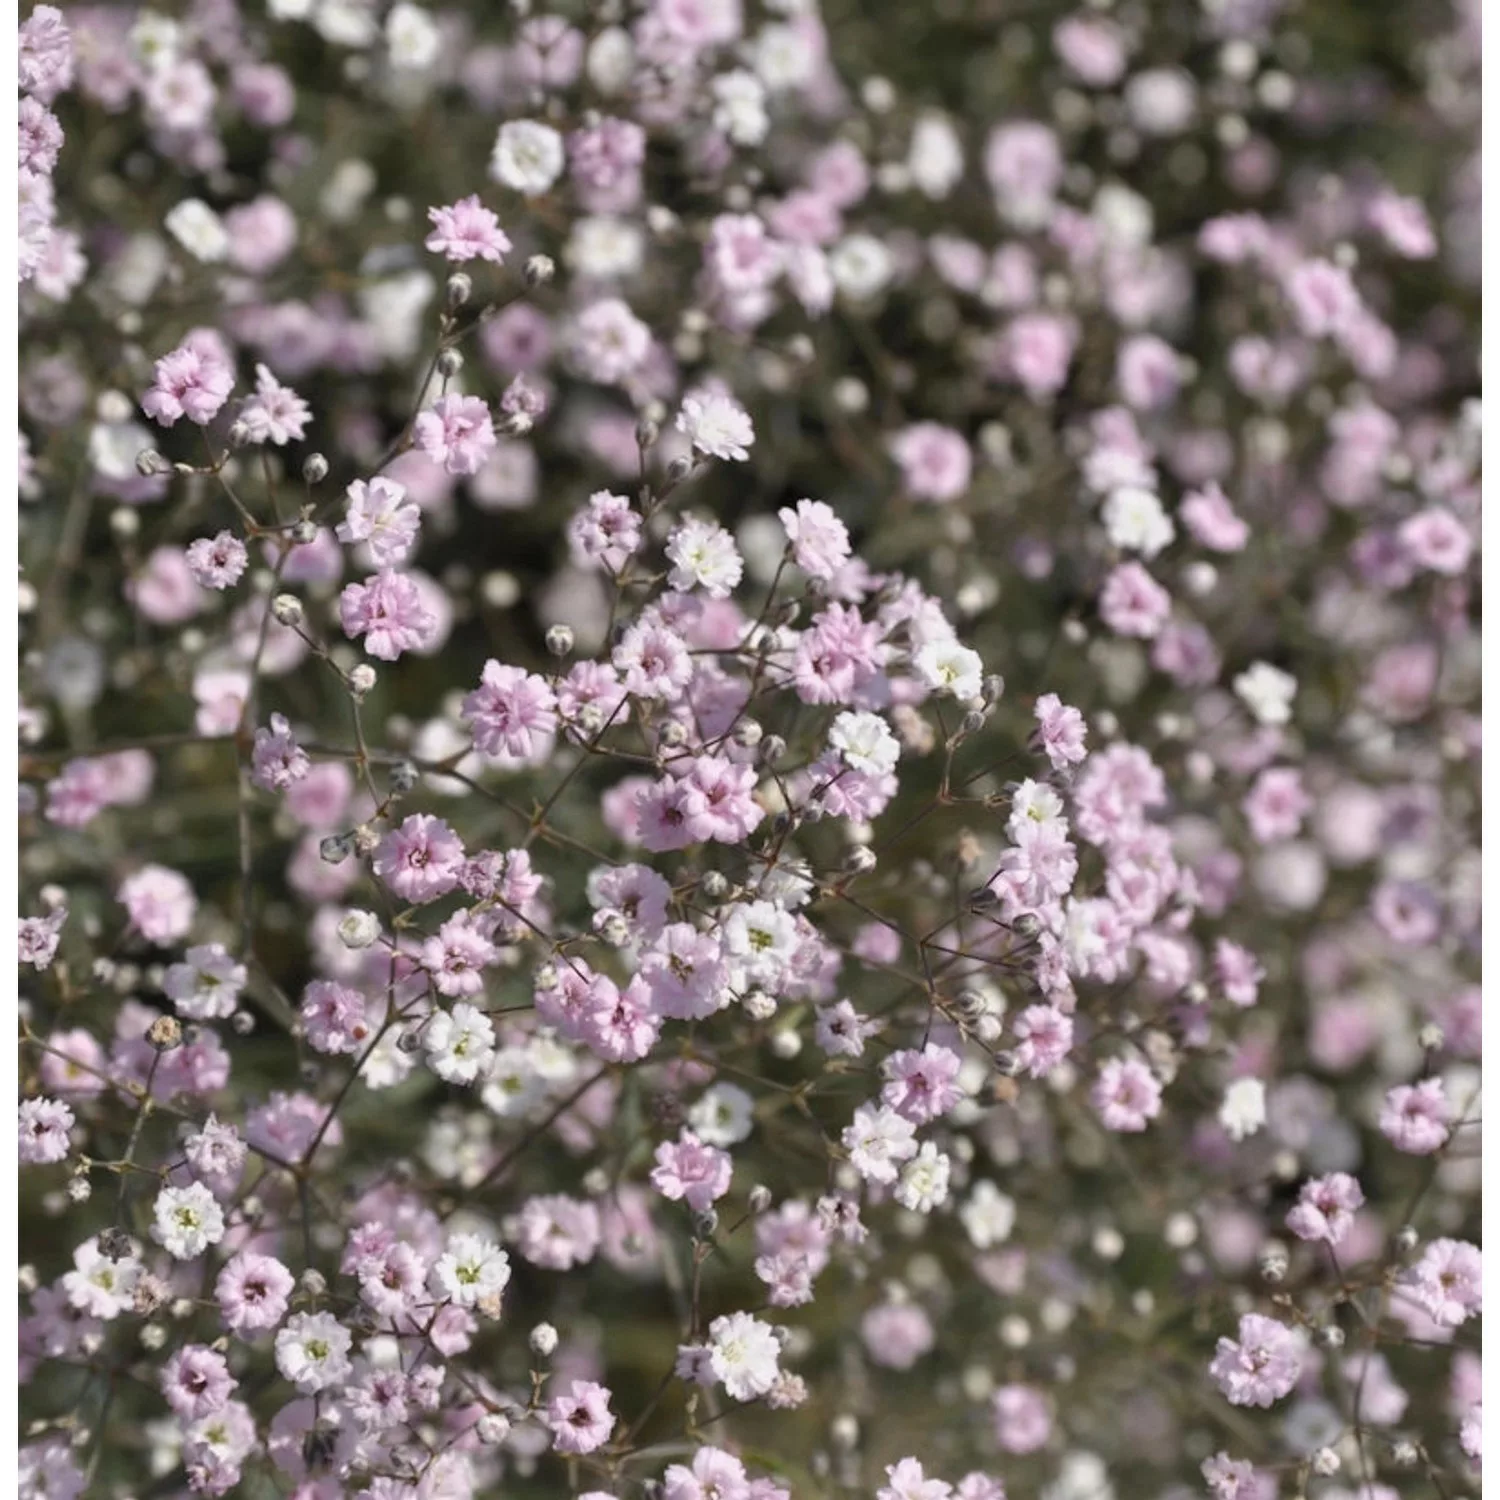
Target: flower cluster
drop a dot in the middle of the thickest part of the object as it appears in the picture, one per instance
(749, 751)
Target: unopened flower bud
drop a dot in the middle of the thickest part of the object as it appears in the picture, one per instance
(1331, 1337)
(540, 269)
(1273, 1263)
(335, 848)
(543, 1339)
(361, 679)
(494, 1426)
(760, 1198)
(1406, 1240)
(304, 533)
(1431, 1038)
(772, 748)
(313, 1283)
(1325, 1462)
(80, 1189)
(559, 640)
(759, 1006)
(403, 777)
(315, 468)
(459, 289)
(1027, 925)
(149, 463)
(164, 1033)
(449, 363)
(860, 860)
(125, 522)
(358, 929)
(748, 734)
(1403, 1453)
(705, 1223)
(286, 609)
(678, 470)
(239, 433)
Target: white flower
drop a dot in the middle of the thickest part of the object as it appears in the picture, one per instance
(865, 742)
(358, 929)
(1135, 521)
(155, 40)
(782, 57)
(878, 1140)
(924, 1180)
(528, 157)
(346, 23)
(602, 248)
(188, 1220)
(861, 266)
(312, 1351)
(1033, 802)
(988, 1216)
(947, 667)
(199, 230)
(1125, 216)
(740, 107)
(743, 1353)
(761, 939)
(471, 1270)
(98, 1286)
(1243, 1111)
(716, 425)
(411, 36)
(207, 985)
(704, 556)
(936, 157)
(513, 1084)
(1267, 692)
(460, 1044)
(723, 1117)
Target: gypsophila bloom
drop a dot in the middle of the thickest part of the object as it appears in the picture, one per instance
(470, 1271)
(379, 515)
(42, 1130)
(217, 562)
(1261, 1364)
(465, 231)
(743, 1354)
(312, 1351)
(579, 1418)
(715, 425)
(188, 1220)
(482, 836)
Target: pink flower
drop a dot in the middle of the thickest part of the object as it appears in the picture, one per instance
(190, 382)
(687, 1169)
(1061, 731)
(1325, 1208)
(1276, 805)
(275, 413)
(379, 514)
(253, 1292)
(467, 230)
(1023, 1422)
(42, 1131)
(1322, 296)
(1415, 1117)
(906, 1479)
(714, 1475)
(456, 432)
(1437, 540)
(512, 713)
(196, 1382)
(922, 1085)
(277, 761)
(1044, 1037)
(606, 532)
(388, 610)
(1126, 1094)
(580, 1418)
(716, 425)
(217, 562)
(818, 539)
(1447, 1282)
(1211, 519)
(333, 1017)
(1238, 971)
(935, 461)
(897, 1334)
(557, 1232)
(1261, 1365)
(421, 859)
(160, 902)
(1133, 603)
